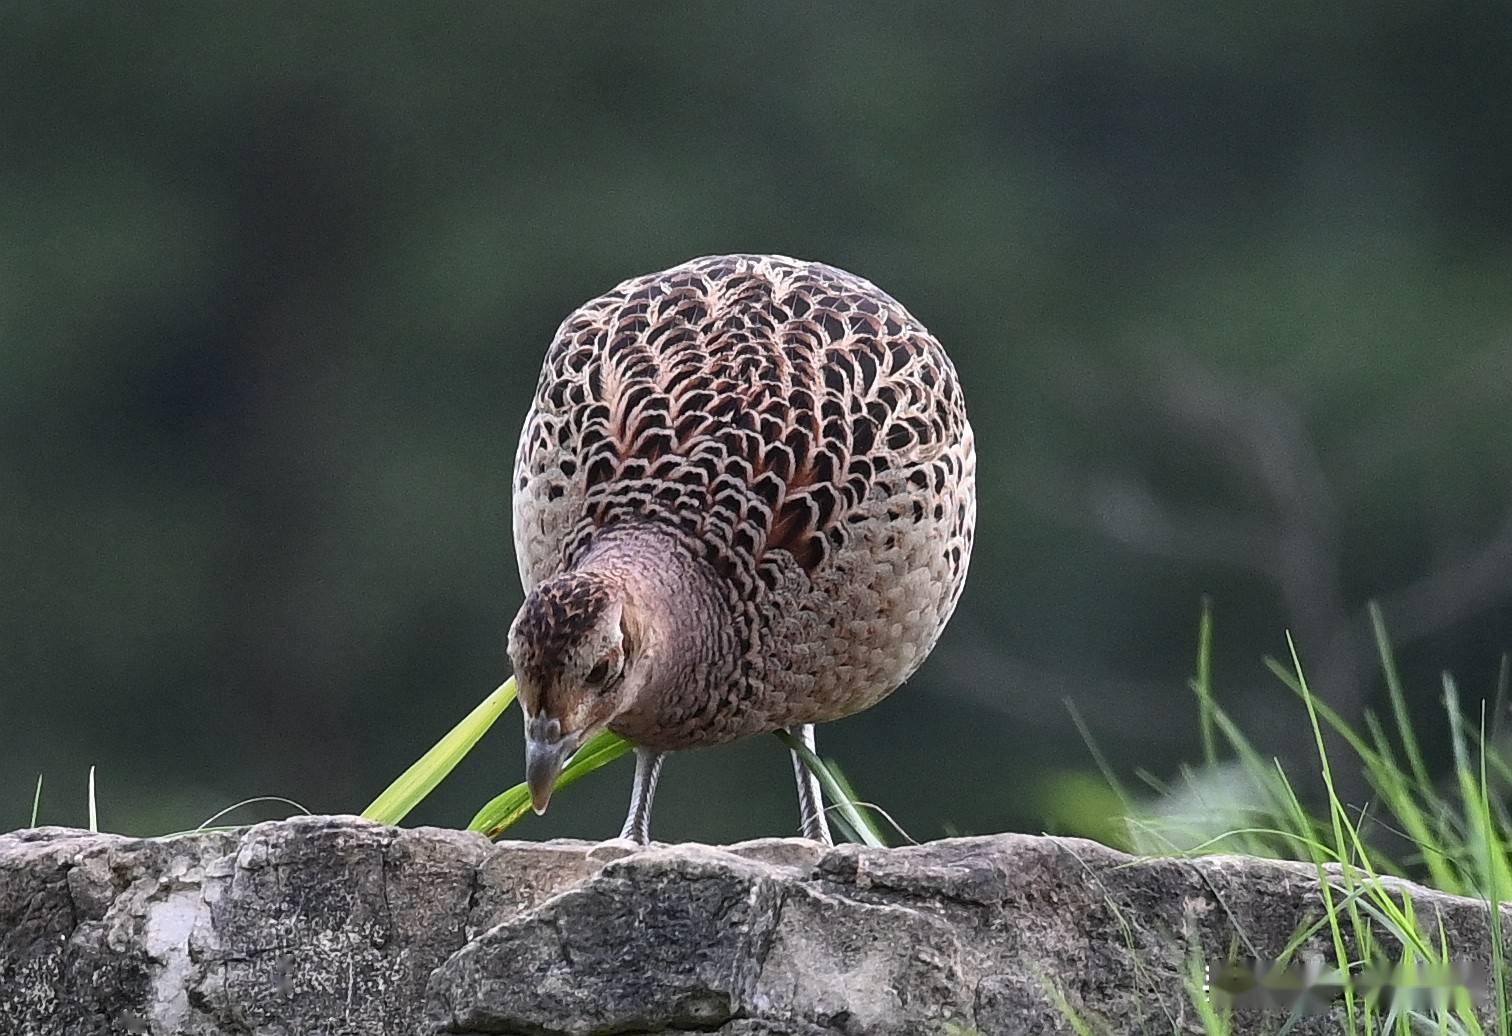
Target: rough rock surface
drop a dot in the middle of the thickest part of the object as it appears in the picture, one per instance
(330, 925)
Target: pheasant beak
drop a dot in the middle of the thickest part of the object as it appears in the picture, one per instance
(547, 750)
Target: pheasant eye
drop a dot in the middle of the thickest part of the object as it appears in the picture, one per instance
(598, 674)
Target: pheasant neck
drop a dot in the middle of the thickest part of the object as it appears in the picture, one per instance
(678, 621)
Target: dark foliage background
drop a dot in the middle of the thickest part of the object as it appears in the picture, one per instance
(1228, 285)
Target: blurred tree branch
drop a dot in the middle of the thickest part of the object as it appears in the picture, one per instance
(1290, 536)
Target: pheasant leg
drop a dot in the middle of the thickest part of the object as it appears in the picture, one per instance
(638, 821)
(810, 800)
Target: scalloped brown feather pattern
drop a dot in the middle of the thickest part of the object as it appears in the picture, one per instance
(798, 428)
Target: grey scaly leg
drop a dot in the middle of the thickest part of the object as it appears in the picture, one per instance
(810, 799)
(638, 821)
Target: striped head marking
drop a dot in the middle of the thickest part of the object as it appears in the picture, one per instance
(568, 647)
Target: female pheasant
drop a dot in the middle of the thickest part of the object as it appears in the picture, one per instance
(744, 501)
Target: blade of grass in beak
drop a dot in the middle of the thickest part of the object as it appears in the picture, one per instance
(503, 811)
(414, 784)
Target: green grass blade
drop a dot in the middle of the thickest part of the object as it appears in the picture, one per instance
(94, 813)
(413, 785)
(1340, 821)
(1394, 788)
(1256, 766)
(36, 801)
(847, 815)
(1101, 761)
(1203, 684)
(1333, 719)
(1496, 882)
(865, 810)
(1213, 1023)
(504, 811)
(1154, 783)
(1398, 698)
(1079, 1025)
(1402, 799)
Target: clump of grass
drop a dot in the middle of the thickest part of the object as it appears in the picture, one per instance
(1458, 831)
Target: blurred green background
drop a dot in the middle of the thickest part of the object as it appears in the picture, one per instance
(1228, 287)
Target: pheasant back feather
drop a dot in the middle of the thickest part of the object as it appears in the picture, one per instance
(794, 428)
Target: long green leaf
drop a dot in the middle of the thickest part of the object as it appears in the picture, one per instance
(1398, 697)
(1496, 872)
(1202, 685)
(414, 784)
(1341, 846)
(503, 811)
(848, 816)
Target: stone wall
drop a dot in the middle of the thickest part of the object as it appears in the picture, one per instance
(330, 925)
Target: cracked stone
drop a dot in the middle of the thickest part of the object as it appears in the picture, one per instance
(335, 926)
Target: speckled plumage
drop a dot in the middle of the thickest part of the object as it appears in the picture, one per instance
(777, 455)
